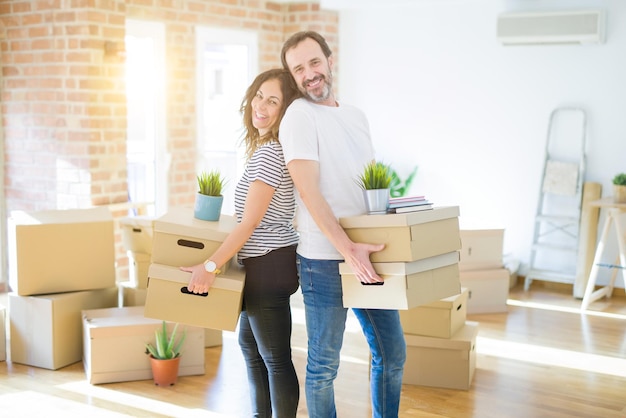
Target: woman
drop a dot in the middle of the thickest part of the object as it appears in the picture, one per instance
(265, 242)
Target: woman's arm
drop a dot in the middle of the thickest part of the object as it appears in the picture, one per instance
(257, 201)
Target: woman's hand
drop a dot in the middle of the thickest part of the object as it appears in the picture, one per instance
(201, 280)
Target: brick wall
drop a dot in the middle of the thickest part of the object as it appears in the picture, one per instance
(62, 96)
(62, 104)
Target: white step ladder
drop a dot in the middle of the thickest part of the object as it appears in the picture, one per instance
(557, 221)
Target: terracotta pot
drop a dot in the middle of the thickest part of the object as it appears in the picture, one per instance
(619, 193)
(164, 372)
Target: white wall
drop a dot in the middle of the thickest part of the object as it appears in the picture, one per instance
(441, 93)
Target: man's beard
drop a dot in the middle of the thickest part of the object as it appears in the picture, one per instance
(326, 89)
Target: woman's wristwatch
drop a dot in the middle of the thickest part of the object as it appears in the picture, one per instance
(211, 267)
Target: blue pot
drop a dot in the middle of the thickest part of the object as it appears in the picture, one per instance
(208, 208)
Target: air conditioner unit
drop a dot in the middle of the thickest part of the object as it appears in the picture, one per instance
(563, 27)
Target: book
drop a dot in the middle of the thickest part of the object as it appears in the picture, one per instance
(416, 208)
(393, 205)
(406, 198)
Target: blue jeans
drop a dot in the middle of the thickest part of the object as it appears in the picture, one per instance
(265, 333)
(320, 282)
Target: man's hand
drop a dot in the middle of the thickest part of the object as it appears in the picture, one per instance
(201, 280)
(359, 262)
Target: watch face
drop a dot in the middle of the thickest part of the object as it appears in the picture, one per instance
(210, 266)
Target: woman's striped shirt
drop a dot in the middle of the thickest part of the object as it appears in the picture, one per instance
(276, 230)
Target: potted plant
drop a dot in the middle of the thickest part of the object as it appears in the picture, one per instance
(165, 355)
(209, 198)
(619, 188)
(375, 180)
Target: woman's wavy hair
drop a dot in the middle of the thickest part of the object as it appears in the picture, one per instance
(251, 137)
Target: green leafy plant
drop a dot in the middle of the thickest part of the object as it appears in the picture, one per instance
(620, 179)
(166, 346)
(211, 183)
(375, 175)
(399, 187)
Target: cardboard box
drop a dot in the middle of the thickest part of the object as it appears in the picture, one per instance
(488, 290)
(442, 318)
(168, 299)
(407, 236)
(46, 330)
(212, 337)
(406, 285)
(182, 240)
(129, 295)
(442, 362)
(114, 343)
(3, 334)
(481, 249)
(138, 264)
(61, 251)
(137, 233)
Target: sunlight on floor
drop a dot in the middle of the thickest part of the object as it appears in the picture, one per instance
(550, 307)
(34, 404)
(137, 402)
(551, 356)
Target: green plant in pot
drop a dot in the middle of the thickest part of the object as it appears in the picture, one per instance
(165, 355)
(209, 199)
(619, 188)
(375, 180)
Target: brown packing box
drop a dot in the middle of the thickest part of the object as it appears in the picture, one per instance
(219, 309)
(407, 236)
(182, 240)
(488, 290)
(442, 362)
(481, 249)
(3, 334)
(46, 330)
(61, 251)
(212, 337)
(131, 296)
(137, 233)
(406, 285)
(138, 264)
(114, 343)
(442, 318)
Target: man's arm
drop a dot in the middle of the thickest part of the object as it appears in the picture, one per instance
(305, 175)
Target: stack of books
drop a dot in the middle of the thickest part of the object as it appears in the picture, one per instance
(408, 204)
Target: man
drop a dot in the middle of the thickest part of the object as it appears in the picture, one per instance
(326, 145)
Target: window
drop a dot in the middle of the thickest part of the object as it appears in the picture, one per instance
(226, 64)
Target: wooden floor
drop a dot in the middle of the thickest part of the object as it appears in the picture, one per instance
(542, 358)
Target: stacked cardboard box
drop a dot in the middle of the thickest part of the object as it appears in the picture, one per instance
(115, 343)
(483, 272)
(419, 263)
(3, 334)
(182, 240)
(138, 238)
(137, 233)
(61, 262)
(441, 343)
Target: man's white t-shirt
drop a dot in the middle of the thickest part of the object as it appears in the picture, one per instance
(339, 139)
